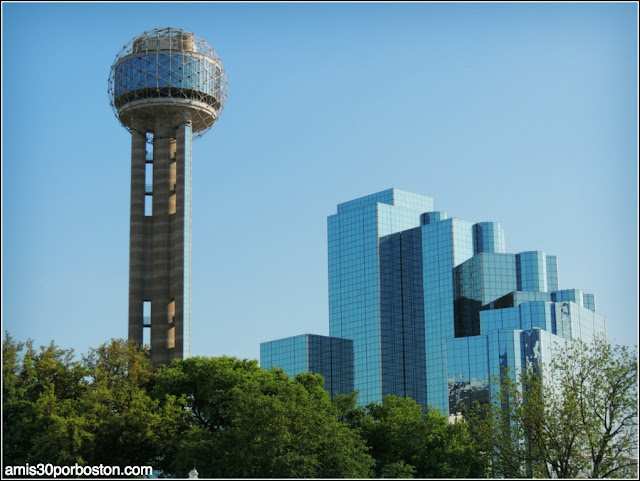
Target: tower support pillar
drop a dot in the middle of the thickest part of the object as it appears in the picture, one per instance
(137, 237)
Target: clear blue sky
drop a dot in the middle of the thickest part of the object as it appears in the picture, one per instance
(524, 114)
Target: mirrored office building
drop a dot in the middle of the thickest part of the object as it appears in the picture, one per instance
(330, 357)
(435, 306)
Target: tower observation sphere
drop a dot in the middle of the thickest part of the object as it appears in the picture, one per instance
(166, 87)
(168, 75)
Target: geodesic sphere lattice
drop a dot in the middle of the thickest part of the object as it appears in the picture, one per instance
(165, 77)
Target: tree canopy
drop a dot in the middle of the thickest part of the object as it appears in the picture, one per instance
(407, 442)
(248, 422)
(225, 416)
(91, 411)
(228, 417)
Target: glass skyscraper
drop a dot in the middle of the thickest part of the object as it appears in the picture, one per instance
(435, 306)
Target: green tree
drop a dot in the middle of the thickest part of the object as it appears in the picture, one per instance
(17, 411)
(600, 381)
(129, 426)
(449, 450)
(349, 412)
(407, 442)
(42, 391)
(394, 431)
(499, 438)
(60, 410)
(248, 422)
(397, 469)
(515, 429)
(576, 417)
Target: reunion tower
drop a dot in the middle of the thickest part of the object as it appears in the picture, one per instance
(166, 87)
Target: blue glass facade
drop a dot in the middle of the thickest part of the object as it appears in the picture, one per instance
(402, 316)
(355, 299)
(328, 356)
(512, 337)
(435, 306)
(445, 244)
(181, 74)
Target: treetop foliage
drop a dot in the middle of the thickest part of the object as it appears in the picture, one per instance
(229, 418)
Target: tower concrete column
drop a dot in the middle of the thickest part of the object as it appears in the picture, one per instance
(181, 242)
(137, 237)
(163, 148)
